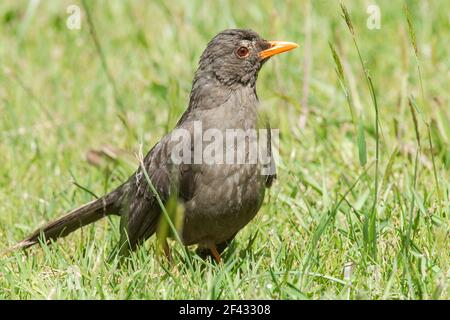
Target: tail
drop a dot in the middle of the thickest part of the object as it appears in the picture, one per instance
(75, 219)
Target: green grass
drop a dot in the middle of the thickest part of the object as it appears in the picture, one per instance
(361, 205)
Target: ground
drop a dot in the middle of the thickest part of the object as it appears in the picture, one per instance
(341, 221)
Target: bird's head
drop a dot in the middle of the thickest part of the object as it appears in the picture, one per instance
(235, 56)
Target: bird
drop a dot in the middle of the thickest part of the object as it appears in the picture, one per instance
(218, 199)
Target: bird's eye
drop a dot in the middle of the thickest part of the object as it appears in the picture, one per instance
(242, 52)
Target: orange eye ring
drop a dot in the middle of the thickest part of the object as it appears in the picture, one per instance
(242, 52)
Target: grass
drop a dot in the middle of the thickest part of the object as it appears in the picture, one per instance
(361, 205)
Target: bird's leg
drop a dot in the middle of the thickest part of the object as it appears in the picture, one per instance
(163, 248)
(204, 252)
(167, 252)
(214, 252)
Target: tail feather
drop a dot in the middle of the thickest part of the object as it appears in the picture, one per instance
(75, 219)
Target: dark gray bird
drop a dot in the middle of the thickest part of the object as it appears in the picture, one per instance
(218, 199)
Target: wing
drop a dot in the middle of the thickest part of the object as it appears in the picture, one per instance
(273, 170)
(141, 209)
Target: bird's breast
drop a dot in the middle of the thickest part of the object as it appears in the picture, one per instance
(223, 196)
(227, 197)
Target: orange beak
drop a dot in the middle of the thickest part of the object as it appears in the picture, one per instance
(277, 47)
